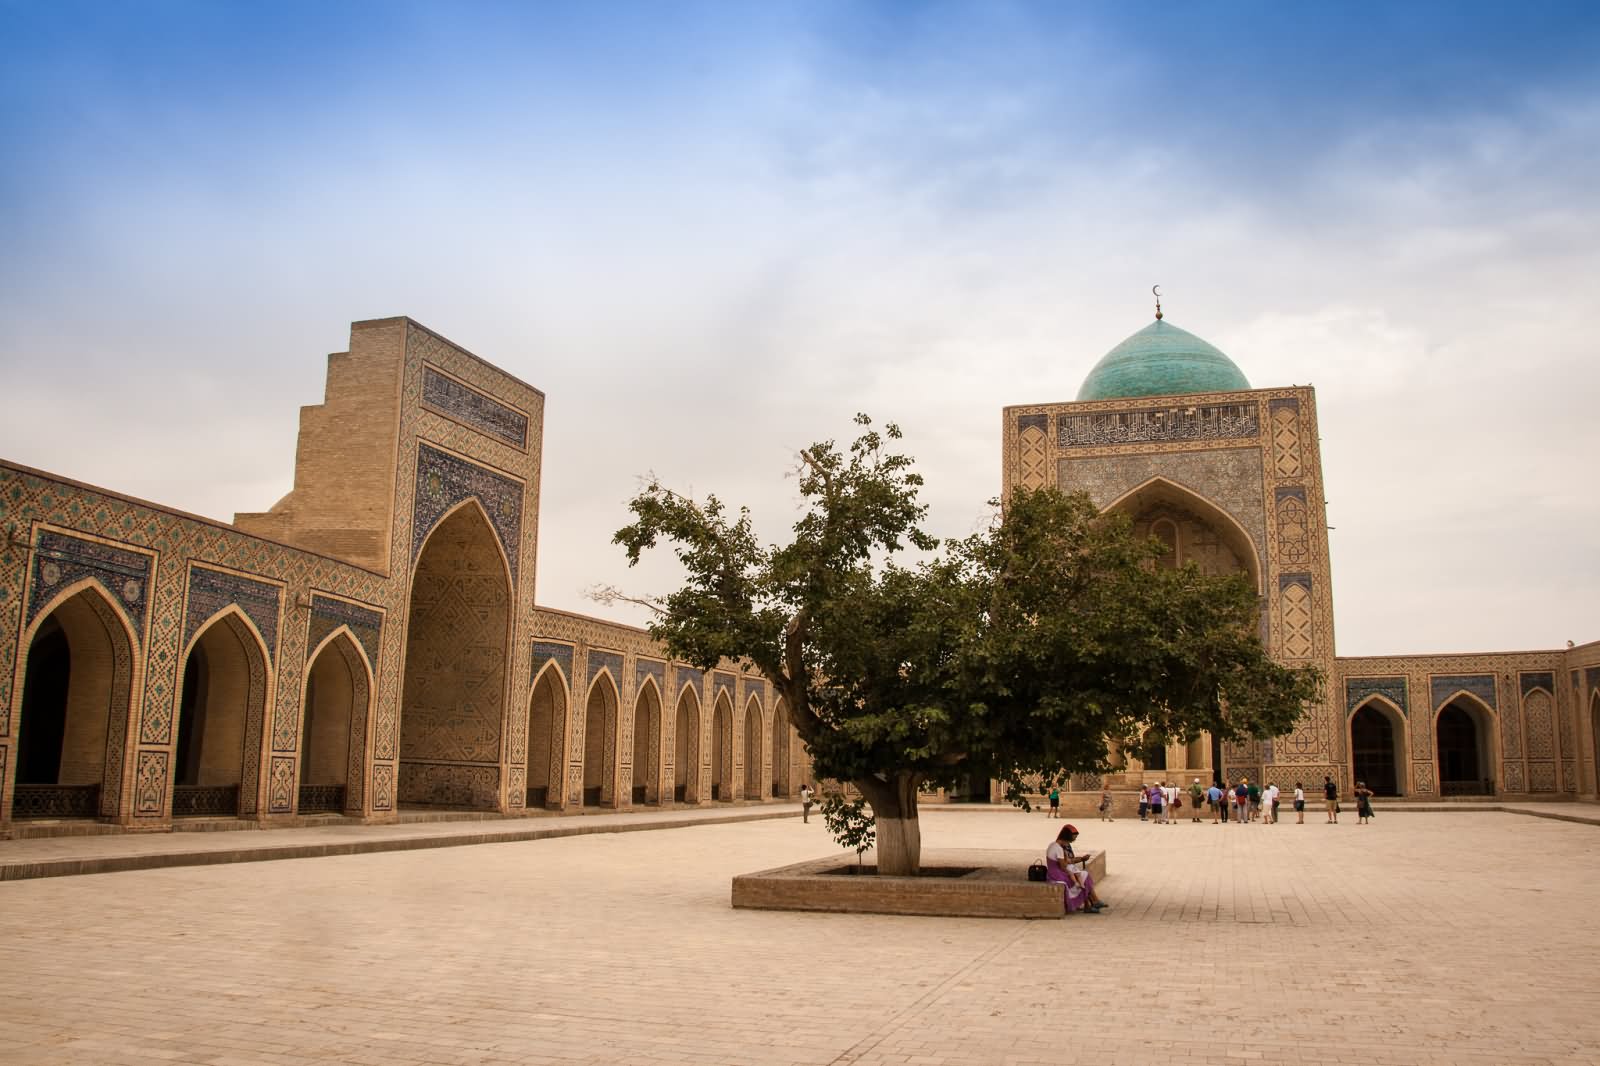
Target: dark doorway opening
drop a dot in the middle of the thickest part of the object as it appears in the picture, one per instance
(1462, 745)
(1373, 750)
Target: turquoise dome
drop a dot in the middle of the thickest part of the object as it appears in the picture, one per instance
(1161, 360)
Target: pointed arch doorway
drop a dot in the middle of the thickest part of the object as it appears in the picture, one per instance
(1377, 746)
(1463, 735)
(646, 786)
(337, 698)
(686, 748)
(73, 722)
(221, 709)
(455, 667)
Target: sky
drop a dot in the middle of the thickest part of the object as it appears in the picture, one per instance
(711, 233)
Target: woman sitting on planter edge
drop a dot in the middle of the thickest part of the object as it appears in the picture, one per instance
(1065, 868)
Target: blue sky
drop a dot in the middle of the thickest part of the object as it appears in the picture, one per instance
(704, 225)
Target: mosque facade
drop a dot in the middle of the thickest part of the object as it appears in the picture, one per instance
(372, 643)
(1167, 430)
(369, 644)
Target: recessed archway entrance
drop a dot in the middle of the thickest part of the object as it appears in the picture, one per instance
(455, 685)
(722, 750)
(781, 771)
(547, 724)
(686, 749)
(73, 721)
(1464, 734)
(220, 711)
(1377, 746)
(599, 740)
(752, 750)
(1594, 733)
(336, 699)
(647, 745)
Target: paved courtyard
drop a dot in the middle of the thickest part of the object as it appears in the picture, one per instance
(1460, 938)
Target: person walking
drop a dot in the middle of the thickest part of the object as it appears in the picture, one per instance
(1105, 805)
(1196, 794)
(1330, 797)
(806, 798)
(1270, 798)
(1241, 801)
(1214, 801)
(1299, 804)
(1055, 801)
(1255, 802)
(1144, 803)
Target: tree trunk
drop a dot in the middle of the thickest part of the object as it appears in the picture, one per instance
(899, 834)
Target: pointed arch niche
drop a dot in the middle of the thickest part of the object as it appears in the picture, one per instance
(686, 748)
(338, 695)
(646, 784)
(76, 684)
(1378, 746)
(752, 749)
(221, 711)
(722, 749)
(782, 748)
(458, 628)
(1191, 527)
(600, 743)
(547, 731)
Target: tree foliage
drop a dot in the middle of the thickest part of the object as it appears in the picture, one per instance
(1023, 650)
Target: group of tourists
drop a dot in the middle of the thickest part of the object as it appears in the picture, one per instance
(1243, 802)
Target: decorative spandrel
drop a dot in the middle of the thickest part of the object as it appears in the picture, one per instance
(443, 480)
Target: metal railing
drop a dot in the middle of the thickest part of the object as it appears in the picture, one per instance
(56, 801)
(1466, 788)
(206, 801)
(321, 799)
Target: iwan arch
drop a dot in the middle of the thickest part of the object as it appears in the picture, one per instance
(1168, 430)
(372, 642)
(369, 644)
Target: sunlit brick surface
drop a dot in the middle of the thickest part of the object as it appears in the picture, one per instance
(1423, 938)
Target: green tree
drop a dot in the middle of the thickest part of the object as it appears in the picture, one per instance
(1024, 650)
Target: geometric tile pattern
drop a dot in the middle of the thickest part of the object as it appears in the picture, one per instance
(1294, 543)
(1358, 689)
(212, 590)
(1295, 603)
(365, 624)
(1033, 457)
(604, 660)
(61, 560)
(560, 654)
(1479, 685)
(443, 480)
(1285, 415)
(1422, 778)
(1538, 711)
(1531, 680)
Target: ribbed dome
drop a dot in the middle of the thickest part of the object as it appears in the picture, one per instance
(1161, 360)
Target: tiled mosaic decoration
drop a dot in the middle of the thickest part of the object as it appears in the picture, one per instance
(466, 404)
(60, 561)
(366, 624)
(211, 591)
(443, 481)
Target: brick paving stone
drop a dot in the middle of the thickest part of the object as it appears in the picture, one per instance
(1451, 937)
